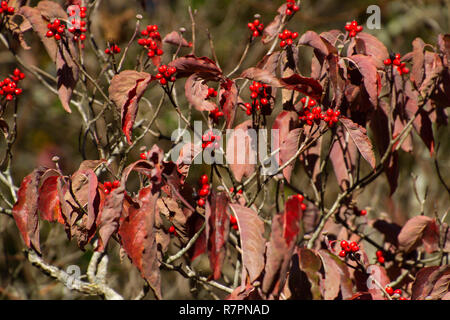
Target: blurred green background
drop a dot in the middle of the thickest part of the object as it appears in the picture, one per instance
(45, 129)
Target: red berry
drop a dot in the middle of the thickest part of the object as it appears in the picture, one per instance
(203, 192)
(204, 179)
(398, 291)
(363, 212)
(116, 184)
(387, 62)
(381, 260)
(235, 227)
(108, 185)
(379, 253)
(389, 290)
(233, 220)
(172, 229)
(107, 191)
(342, 253)
(201, 202)
(300, 197)
(303, 206)
(344, 244)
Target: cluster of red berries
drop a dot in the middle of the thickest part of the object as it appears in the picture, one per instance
(395, 60)
(260, 95)
(212, 93)
(144, 155)
(287, 38)
(153, 38)
(204, 190)
(353, 28)
(216, 114)
(210, 140)
(380, 257)
(396, 294)
(110, 186)
(8, 87)
(166, 74)
(77, 25)
(172, 230)
(113, 49)
(233, 222)
(292, 7)
(5, 9)
(240, 191)
(55, 29)
(311, 113)
(348, 248)
(256, 27)
(301, 198)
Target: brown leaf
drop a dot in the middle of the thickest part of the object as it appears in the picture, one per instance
(418, 60)
(271, 31)
(444, 46)
(196, 91)
(361, 140)
(322, 47)
(310, 264)
(369, 45)
(251, 229)
(261, 75)
(51, 10)
(176, 39)
(25, 210)
(126, 89)
(413, 233)
(343, 158)
(337, 278)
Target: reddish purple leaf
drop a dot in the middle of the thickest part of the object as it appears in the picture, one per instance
(25, 210)
(336, 279)
(361, 140)
(126, 89)
(203, 66)
(228, 97)
(48, 202)
(322, 47)
(137, 233)
(418, 61)
(176, 39)
(368, 68)
(251, 229)
(261, 75)
(432, 283)
(271, 31)
(307, 86)
(369, 45)
(413, 232)
(343, 158)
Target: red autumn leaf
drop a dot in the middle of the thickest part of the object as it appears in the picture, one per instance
(217, 230)
(126, 89)
(288, 149)
(336, 278)
(444, 46)
(361, 140)
(418, 61)
(137, 233)
(322, 47)
(203, 66)
(176, 39)
(25, 210)
(48, 202)
(307, 86)
(343, 158)
(367, 66)
(369, 45)
(291, 219)
(251, 229)
(310, 263)
(196, 91)
(271, 31)
(432, 283)
(379, 274)
(261, 75)
(413, 232)
(228, 97)
(241, 150)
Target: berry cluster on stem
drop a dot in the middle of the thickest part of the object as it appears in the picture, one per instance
(210, 140)
(353, 28)
(347, 248)
(233, 222)
(77, 24)
(311, 113)
(112, 49)
(151, 41)
(395, 61)
(380, 257)
(55, 29)
(287, 38)
(291, 7)
(9, 88)
(300, 198)
(4, 9)
(110, 186)
(396, 294)
(204, 190)
(260, 95)
(166, 74)
(256, 27)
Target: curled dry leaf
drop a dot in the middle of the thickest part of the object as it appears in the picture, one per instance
(126, 89)
(176, 39)
(251, 229)
(417, 230)
(196, 91)
(432, 283)
(48, 202)
(228, 99)
(322, 47)
(203, 66)
(336, 278)
(271, 31)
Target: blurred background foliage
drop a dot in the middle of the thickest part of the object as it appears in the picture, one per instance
(45, 129)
